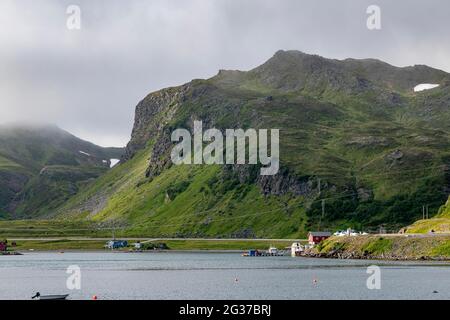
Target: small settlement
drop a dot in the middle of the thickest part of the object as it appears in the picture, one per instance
(296, 249)
(314, 238)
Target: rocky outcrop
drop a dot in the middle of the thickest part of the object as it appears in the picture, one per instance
(160, 157)
(151, 116)
(12, 183)
(282, 183)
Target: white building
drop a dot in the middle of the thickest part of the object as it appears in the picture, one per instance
(296, 249)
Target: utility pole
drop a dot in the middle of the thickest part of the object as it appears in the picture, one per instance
(323, 208)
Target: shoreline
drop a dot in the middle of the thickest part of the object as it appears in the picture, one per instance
(370, 247)
(393, 248)
(200, 245)
(311, 255)
(338, 256)
(127, 251)
(445, 261)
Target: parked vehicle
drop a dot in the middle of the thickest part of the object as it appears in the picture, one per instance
(116, 244)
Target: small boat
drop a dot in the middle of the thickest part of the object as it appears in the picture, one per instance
(38, 296)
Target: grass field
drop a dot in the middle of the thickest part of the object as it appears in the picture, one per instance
(225, 245)
(48, 228)
(201, 244)
(58, 245)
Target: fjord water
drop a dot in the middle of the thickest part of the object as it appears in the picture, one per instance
(190, 275)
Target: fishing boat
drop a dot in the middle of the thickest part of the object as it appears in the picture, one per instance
(264, 253)
(38, 296)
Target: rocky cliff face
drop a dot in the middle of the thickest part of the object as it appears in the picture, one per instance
(12, 183)
(156, 117)
(219, 102)
(152, 114)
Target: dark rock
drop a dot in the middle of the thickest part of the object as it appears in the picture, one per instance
(396, 155)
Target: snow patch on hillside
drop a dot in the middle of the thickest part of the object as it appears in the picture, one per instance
(114, 162)
(85, 153)
(425, 86)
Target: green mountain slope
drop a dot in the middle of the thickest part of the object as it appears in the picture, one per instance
(445, 210)
(42, 166)
(355, 140)
(439, 223)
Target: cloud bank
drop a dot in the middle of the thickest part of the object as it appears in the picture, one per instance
(88, 81)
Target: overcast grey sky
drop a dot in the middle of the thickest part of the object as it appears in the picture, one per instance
(89, 81)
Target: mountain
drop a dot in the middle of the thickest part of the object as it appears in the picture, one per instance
(358, 147)
(42, 165)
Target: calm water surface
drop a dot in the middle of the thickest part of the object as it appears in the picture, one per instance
(174, 275)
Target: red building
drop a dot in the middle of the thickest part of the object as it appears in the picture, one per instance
(3, 245)
(317, 237)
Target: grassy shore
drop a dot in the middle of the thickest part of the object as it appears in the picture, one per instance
(62, 235)
(200, 244)
(58, 245)
(395, 247)
(425, 226)
(225, 245)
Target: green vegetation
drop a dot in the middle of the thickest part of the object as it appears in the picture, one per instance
(377, 246)
(49, 228)
(58, 245)
(328, 246)
(390, 247)
(201, 244)
(355, 140)
(442, 250)
(444, 212)
(438, 224)
(225, 245)
(378, 160)
(42, 166)
(8, 164)
(186, 201)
